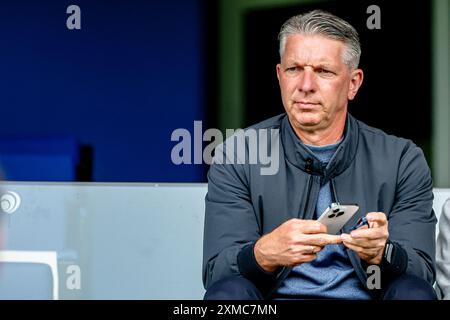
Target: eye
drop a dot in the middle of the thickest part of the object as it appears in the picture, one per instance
(324, 72)
(291, 69)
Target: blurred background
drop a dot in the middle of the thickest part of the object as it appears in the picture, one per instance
(101, 103)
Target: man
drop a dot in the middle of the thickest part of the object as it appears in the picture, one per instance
(262, 240)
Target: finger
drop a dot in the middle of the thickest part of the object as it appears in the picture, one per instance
(322, 239)
(360, 250)
(311, 249)
(363, 227)
(370, 233)
(311, 227)
(308, 258)
(304, 249)
(301, 258)
(377, 218)
(364, 243)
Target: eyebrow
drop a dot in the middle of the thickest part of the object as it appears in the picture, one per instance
(323, 65)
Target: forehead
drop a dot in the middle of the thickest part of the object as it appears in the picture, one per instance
(313, 49)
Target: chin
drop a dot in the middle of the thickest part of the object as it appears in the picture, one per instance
(307, 120)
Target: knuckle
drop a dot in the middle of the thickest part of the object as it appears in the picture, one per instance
(299, 238)
(290, 223)
(299, 222)
(371, 215)
(318, 225)
(302, 238)
(303, 226)
(291, 248)
(317, 241)
(297, 260)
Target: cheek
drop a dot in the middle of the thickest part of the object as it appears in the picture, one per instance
(335, 93)
(287, 88)
(345, 93)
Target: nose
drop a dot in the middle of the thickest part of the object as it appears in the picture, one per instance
(307, 81)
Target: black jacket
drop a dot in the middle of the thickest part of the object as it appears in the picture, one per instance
(379, 172)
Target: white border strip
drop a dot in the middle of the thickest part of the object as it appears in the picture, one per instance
(44, 257)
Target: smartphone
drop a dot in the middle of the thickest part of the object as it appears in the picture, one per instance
(336, 216)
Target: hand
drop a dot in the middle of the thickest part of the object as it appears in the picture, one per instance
(369, 243)
(292, 243)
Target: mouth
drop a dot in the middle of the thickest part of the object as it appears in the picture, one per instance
(306, 105)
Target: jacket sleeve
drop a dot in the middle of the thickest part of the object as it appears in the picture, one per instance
(231, 227)
(412, 222)
(443, 253)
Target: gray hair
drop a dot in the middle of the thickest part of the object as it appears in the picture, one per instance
(322, 23)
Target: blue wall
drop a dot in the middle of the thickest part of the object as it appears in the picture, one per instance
(122, 83)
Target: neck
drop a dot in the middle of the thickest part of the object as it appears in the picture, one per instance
(322, 136)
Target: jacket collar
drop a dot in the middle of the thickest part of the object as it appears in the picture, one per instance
(301, 157)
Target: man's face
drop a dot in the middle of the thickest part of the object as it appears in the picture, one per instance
(315, 83)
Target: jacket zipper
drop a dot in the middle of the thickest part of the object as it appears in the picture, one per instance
(333, 190)
(308, 194)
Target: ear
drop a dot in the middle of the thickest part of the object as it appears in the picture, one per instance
(356, 79)
(278, 71)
